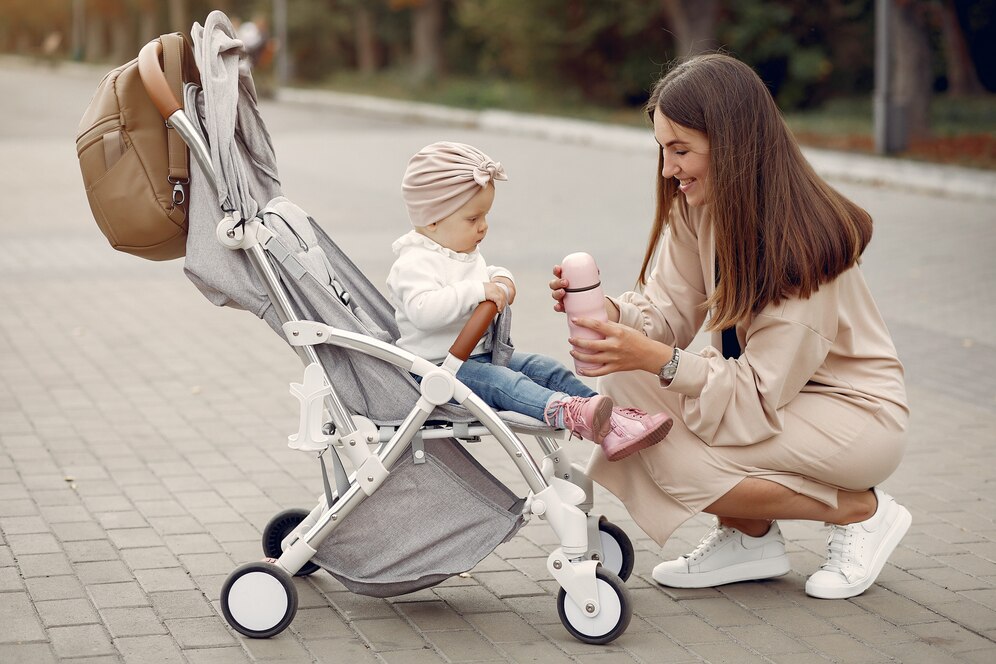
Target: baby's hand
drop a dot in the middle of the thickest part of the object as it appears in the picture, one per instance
(496, 294)
(508, 284)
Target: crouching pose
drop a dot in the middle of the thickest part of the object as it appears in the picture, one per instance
(798, 408)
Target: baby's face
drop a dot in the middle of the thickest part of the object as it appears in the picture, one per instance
(466, 228)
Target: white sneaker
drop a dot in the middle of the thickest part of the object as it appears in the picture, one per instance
(726, 555)
(856, 553)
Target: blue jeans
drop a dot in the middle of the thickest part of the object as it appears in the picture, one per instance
(524, 386)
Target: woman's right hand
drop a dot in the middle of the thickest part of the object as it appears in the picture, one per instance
(558, 286)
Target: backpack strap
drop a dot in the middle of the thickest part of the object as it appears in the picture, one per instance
(179, 158)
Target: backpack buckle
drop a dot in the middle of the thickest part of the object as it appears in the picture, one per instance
(179, 195)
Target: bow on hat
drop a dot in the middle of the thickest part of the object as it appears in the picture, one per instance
(488, 171)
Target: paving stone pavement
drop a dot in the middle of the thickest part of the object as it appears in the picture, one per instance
(142, 429)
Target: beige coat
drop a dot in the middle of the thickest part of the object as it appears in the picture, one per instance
(816, 401)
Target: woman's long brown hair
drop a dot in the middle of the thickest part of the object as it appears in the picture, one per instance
(780, 230)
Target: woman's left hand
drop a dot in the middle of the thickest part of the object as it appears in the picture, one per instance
(623, 349)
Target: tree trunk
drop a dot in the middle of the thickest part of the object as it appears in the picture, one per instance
(94, 49)
(427, 38)
(963, 80)
(148, 23)
(123, 47)
(179, 16)
(694, 25)
(366, 41)
(911, 65)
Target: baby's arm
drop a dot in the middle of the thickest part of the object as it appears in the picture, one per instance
(428, 302)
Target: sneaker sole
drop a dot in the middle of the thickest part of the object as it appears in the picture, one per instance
(652, 437)
(756, 570)
(601, 420)
(895, 535)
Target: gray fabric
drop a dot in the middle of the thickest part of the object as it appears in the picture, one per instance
(426, 523)
(368, 386)
(498, 340)
(226, 112)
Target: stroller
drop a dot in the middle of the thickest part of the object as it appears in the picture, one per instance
(416, 507)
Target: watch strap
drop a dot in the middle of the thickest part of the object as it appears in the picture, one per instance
(668, 371)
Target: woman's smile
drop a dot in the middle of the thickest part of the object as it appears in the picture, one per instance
(683, 185)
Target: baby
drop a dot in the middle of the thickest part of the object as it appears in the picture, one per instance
(440, 277)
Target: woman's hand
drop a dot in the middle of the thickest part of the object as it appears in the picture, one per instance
(559, 285)
(623, 349)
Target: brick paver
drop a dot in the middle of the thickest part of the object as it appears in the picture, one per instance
(142, 429)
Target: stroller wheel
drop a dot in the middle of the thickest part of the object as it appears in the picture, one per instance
(280, 527)
(618, 555)
(259, 600)
(615, 611)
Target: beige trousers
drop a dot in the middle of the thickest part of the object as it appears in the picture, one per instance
(827, 444)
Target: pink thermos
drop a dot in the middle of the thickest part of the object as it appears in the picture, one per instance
(584, 297)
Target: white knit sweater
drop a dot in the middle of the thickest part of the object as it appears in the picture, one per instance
(434, 290)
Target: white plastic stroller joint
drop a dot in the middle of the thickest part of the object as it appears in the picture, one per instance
(417, 508)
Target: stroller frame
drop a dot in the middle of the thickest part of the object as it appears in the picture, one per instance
(259, 599)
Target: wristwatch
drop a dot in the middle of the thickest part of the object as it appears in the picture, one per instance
(667, 372)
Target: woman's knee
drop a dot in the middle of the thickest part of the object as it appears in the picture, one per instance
(639, 389)
(683, 466)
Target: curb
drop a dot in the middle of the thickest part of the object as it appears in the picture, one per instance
(902, 174)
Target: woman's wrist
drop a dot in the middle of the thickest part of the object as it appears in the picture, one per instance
(611, 310)
(660, 356)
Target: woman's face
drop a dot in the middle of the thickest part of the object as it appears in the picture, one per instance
(686, 158)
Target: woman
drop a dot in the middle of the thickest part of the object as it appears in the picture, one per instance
(809, 417)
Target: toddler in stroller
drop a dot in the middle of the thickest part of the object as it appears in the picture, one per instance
(416, 508)
(440, 276)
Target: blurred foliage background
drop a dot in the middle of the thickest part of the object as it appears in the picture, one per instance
(586, 58)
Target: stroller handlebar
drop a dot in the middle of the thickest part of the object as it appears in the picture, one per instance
(475, 328)
(154, 79)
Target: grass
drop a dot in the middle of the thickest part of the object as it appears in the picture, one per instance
(963, 131)
(481, 94)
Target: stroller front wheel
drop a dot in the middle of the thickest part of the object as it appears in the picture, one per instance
(259, 600)
(615, 611)
(279, 527)
(618, 555)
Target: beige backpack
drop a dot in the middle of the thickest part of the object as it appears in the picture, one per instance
(136, 168)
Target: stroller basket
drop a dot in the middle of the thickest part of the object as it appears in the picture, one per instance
(417, 508)
(431, 518)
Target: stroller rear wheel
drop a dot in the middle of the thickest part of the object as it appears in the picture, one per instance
(259, 599)
(615, 611)
(277, 529)
(618, 555)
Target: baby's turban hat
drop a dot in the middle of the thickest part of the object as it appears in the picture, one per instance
(442, 177)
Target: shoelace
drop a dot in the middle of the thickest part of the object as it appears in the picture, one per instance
(572, 414)
(635, 413)
(715, 536)
(839, 553)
